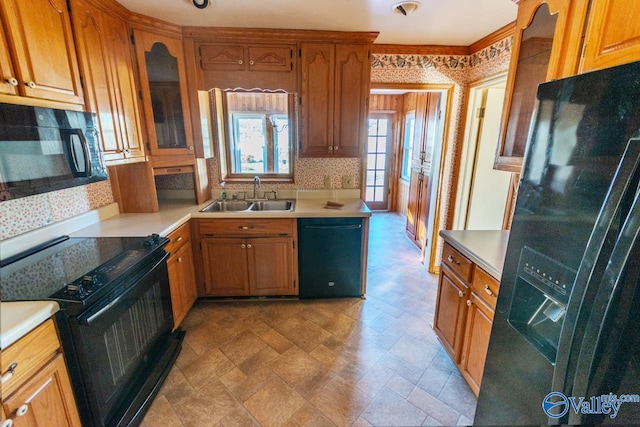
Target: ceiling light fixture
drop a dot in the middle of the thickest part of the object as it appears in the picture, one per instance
(405, 7)
(201, 4)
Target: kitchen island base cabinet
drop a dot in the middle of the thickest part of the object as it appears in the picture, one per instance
(240, 257)
(464, 313)
(39, 392)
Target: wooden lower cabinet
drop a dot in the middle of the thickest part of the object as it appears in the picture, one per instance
(247, 257)
(225, 266)
(464, 313)
(39, 393)
(476, 341)
(256, 266)
(451, 313)
(182, 279)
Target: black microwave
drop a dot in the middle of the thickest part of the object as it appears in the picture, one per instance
(46, 149)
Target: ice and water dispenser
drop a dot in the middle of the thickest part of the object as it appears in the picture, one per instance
(538, 307)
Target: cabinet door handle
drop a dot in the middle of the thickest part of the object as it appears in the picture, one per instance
(331, 148)
(450, 258)
(488, 290)
(12, 81)
(335, 148)
(245, 227)
(179, 259)
(240, 61)
(243, 246)
(31, 84)
(23, 409)
(469, 302)
(251, 62)
(460, 294)
(10, 372)
(249, 246)
(179, 239)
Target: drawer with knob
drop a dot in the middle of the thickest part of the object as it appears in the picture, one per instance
(457, 262)
(485, 286)
(246, 227)
(22, 359)
(178, 237)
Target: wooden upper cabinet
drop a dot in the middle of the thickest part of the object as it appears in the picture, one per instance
(546, 46)
(161, 65)
(612, 35)
(231, 65)
(350, 99)
(222, 57)
(271, 58)
(41, 45)
(334, 91)
(237, 57)
(317, 90)
(9, 84)
(103, 50)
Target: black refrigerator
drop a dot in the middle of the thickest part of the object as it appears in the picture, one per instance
(565, 343)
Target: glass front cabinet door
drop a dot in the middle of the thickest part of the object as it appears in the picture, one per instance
(543, 49)
(164, 93)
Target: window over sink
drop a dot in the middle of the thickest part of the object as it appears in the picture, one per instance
(256, 134)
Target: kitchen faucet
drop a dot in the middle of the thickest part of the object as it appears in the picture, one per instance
(256, 186)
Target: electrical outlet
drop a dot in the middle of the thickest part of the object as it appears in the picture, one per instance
(327, 181)
(348, 182)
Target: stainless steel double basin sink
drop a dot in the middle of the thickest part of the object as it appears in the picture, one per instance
(283, 205)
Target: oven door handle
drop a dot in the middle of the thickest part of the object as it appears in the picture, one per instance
(89, 320)
(93, 317)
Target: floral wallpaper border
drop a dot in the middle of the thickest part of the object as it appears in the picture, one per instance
(451, 62)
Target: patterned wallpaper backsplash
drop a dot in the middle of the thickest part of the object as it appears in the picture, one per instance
(29, 213)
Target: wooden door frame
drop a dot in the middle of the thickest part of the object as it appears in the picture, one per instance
(470, 143)
(429, 252)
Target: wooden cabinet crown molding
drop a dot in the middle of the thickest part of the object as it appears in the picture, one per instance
(157, 26)
(270, 36)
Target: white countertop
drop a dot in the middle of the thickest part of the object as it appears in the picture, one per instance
(485, 248)
(176, 212)
(19, 318)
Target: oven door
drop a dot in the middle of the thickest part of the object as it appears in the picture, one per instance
(120, 341)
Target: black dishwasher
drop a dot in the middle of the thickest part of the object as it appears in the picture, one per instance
(330, 257)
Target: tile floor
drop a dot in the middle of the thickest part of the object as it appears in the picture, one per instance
(332, 362)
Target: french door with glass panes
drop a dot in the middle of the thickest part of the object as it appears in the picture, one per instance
(379, 146)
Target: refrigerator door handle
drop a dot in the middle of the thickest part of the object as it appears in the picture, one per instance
(611, 310)
(592, 267)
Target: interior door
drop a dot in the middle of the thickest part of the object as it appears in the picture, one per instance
(489, 187)
(379, 150)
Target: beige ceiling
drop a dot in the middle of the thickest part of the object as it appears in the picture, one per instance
(436, 22)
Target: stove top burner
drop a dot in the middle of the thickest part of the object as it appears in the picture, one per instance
(74, 270)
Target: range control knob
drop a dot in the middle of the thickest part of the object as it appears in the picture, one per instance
(152, 240)
(75, 288)
(90, 280)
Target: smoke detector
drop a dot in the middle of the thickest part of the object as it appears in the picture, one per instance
(405, 7)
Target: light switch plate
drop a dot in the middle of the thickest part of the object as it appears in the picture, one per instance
(348, 182)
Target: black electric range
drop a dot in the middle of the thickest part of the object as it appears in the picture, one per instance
(74, 271)
(115, 321)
